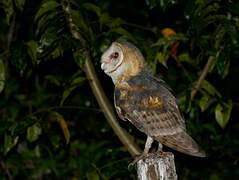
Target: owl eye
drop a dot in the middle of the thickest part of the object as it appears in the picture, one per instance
(115, 55)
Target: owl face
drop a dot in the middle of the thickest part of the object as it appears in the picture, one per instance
(112, 59)
(121, 61)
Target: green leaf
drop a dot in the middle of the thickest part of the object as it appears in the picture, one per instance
(33, 132)
(58, 52)
(9, 143)
(115, 22)
(77, 80)
(93, 175)
(19, 127)
(162, 58)
(79, 57)
(104, 19)
(123, 32)
(74, 84)
(66, 94)
(52, 79)
(32, 50)
(46, 7)
(2, 75)
(184, 57)
(204, 102)
(208, 87)
(8, 8)
(223, 113)
(93, 8)
(223, 65)
(20, 4)
(79, 21)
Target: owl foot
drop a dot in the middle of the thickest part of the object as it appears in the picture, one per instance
(137, 158)
(145, 153)
(162, 153)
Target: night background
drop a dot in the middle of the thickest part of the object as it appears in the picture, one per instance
(53, 124)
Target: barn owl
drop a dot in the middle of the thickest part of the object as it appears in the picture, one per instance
(146, 101)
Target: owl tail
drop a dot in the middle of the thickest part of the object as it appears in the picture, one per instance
(182, 142)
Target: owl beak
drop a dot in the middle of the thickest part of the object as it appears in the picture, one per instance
(105, 69)
(103, 66)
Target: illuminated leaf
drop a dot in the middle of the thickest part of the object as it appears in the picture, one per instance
(33, 132)
(93, 175)
(32, 50)
(9, 142)
(62, 123)
(210, 88)
(66, 94)
(77, 81)
(162, 58)
(184, 57)
(204, 102)
(47, 6)
(223, 113)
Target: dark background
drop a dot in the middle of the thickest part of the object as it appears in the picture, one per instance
(51, 126)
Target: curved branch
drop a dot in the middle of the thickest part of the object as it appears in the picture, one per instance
(100, 96)
(107, 108)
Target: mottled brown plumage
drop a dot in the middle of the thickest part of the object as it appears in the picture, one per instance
(146, 101)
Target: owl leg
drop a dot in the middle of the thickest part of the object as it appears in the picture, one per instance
(160, 147)
(147, 147)
(160, 150)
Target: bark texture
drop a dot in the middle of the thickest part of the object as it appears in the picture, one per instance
(157, 166)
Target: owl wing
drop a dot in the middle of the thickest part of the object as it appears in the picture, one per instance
(151, 108)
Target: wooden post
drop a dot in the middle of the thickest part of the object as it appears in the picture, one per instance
(157, 166)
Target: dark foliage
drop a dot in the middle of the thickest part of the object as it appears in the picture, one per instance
(51, 126)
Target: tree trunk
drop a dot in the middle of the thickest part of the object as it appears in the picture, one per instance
(157, 166)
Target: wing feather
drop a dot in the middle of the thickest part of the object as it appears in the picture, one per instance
(151, 108)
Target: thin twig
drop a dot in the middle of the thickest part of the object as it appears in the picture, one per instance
(98, 92)
(202, 76)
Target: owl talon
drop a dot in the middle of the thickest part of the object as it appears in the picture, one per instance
(162, 153)
(137, 158)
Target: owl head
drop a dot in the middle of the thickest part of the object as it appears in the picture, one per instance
(122, 60)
